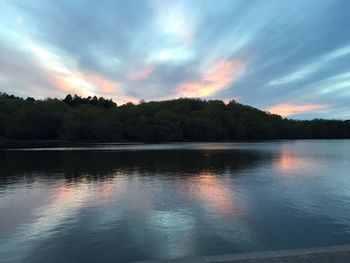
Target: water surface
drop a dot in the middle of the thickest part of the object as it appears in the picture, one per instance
(121, 203)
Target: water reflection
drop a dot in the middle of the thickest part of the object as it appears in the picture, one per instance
(47, 218)
(291, 163)
(176, 227)
(215, 193)
(96, 164)
(115, 205)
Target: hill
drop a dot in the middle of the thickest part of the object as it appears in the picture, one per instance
(184, 119)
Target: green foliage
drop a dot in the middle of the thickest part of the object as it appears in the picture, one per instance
(92, 118)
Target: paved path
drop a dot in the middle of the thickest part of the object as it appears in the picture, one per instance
(334, 254)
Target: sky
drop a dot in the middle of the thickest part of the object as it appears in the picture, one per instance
(286, 57)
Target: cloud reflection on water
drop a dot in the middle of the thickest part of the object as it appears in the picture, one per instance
(200, 199)
(215, 194)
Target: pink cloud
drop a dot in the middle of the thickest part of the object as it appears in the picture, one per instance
(89, 84)
(140, 74)
(286, 109)
(220, 75)
(102, 83)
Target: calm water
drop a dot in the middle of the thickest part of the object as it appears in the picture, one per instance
(115, 203)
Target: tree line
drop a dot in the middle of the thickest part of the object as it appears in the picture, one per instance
(184, 119)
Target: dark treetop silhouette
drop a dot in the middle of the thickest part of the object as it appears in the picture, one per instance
(184, 119)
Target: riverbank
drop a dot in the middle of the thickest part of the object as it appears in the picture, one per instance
(15, 144)
(332, 254)
(4, 144)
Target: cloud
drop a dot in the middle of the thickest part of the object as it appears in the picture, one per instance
(159, 49)
(338, 84)
(285, 109)
(309, 69)
(108, 87)
(45, 71)
(175, 20)
(91, 84)
(221, 73)
(141, 74)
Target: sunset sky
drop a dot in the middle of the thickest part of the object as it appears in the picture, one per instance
(286, 57)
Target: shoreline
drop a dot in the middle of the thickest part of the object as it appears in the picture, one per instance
(330, 254)
(8, 142)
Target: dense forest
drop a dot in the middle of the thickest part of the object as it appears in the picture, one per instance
(184, 119)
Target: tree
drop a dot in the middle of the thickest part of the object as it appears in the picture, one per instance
(92, 118)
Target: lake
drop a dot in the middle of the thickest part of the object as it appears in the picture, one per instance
(121, 203)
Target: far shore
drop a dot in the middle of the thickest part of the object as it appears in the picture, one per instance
(13, 144)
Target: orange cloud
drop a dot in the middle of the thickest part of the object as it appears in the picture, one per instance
(222, 73)
(141, 74)
(285, 109)
(89, 84)
(68, 83)
(63, 75)
(105, 86)
(102, 83)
